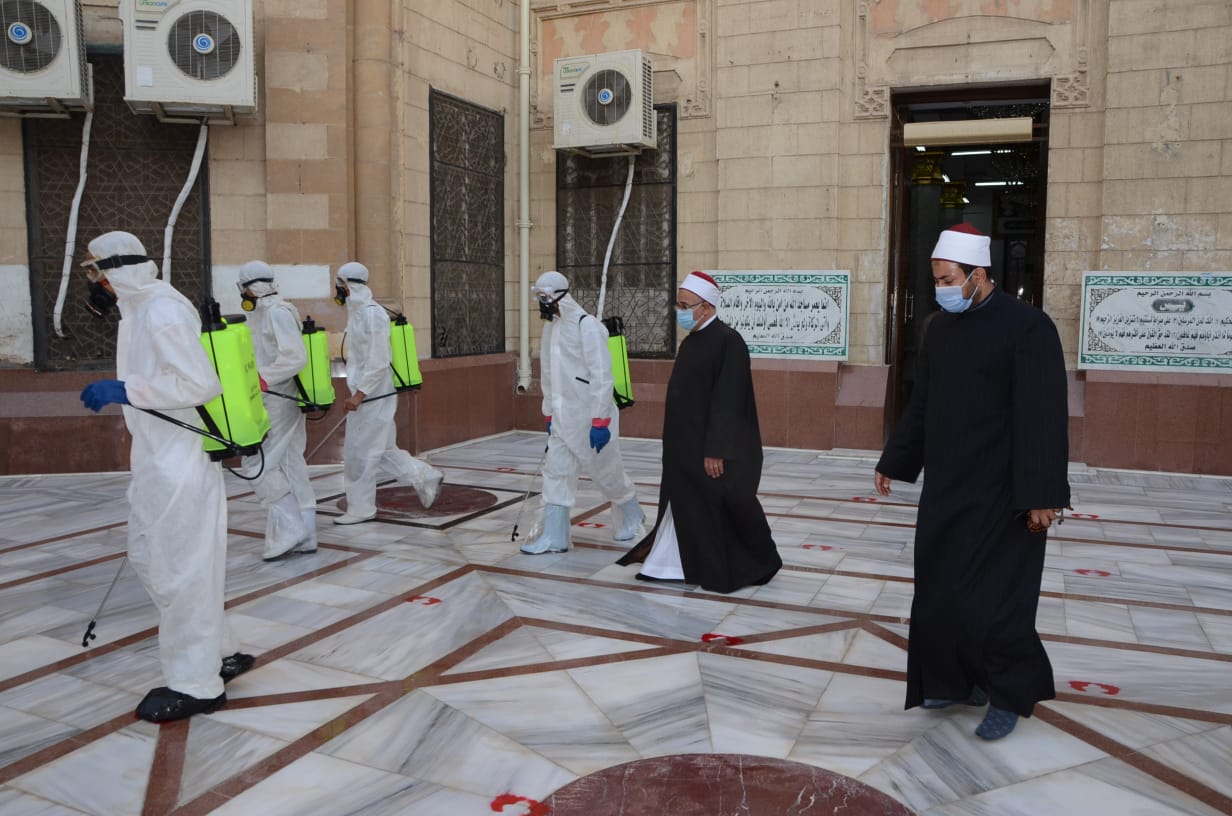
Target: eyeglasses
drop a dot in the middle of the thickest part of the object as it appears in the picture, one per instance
(689, 306)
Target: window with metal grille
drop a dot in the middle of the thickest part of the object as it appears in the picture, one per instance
(641, 277)
(136, 168)
(468, 227)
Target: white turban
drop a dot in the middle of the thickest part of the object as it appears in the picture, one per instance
(963, 244)
(702, 285)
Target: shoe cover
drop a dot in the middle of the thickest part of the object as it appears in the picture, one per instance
(309, 542)
(555, 535)
(164, 705)
(235, 665)
(285, 528)
(429, 489)
(630, 518)
(347, 518)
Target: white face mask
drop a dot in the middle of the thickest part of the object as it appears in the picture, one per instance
(951, 298)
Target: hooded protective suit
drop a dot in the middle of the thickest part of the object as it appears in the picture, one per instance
(576, 378)
(177, 524)
(283, 485)
(371, 443)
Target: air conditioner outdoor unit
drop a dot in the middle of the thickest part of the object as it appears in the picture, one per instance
(605, 104)
(189, 60)
(43, 68)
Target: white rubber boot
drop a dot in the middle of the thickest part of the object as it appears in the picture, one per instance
(630, 518)
(555, 535)
(308, 543)
(429, 489)
(283, 529)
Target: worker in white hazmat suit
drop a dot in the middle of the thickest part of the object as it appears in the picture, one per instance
(583, 423)
(177, 523)
(282, 486)
(371, 443)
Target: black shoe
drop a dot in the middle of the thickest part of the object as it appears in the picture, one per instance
(653, 580)
(165, 705)
(235, 665)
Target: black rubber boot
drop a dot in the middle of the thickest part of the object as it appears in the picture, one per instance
(235, 665)
(165, 705)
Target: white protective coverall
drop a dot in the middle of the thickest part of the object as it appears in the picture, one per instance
(177, 523)
(371, 443)
(576, 378)
(283, 486)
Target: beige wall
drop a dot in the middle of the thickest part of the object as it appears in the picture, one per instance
(783, 135)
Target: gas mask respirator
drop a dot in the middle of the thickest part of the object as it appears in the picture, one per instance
(248, 302)
(101, 299)
(548, 309)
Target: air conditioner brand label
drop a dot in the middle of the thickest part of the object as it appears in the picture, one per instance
(154, 6)
(572, 70)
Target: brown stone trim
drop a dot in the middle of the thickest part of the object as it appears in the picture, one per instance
(64, 537)
(64, 747)
(1169, 776)
(60, 570)
(163, 789)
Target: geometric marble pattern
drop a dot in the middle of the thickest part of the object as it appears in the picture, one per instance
(419, 664)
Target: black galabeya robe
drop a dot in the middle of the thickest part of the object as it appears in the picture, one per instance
(988, 423)
(725, 541)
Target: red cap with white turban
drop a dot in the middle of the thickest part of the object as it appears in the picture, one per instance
(702, 285)
(963, 244)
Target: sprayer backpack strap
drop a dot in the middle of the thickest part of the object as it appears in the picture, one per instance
(212, 427)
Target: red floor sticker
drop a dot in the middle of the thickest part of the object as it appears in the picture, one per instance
(711, 637)
(423, 600)
(594, 525)
(1096, 572)
(529, 806)
(507, 470)
(822, 547)
(1083, 515)
(1085, 685)
(869, 499)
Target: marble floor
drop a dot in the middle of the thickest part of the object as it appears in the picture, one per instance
(418, 665)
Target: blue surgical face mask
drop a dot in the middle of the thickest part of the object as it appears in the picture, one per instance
(685, 319)
(951, 298)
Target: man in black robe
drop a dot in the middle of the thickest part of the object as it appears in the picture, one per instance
(711, 529)
(988, 423)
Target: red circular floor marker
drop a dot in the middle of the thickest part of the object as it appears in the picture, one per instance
(1086, 685)
(1098, 573)
(507, 470)
(869, 499)
(591, 524)
(423, 600)
(822, 547)
(730, 640)
(530, 806)
(1083, 515)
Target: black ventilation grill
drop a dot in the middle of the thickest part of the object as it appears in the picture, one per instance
(606, 97)
(204, 45)
(29, 35)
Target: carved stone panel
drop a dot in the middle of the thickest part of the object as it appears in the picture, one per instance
(902, 43)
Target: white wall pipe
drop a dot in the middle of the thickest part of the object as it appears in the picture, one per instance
(70, 237)
(202, 137)
(524, 224)
(611, 242)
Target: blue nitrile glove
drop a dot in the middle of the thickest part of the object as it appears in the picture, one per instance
(104, 392)
(549, 421)
(599, 434)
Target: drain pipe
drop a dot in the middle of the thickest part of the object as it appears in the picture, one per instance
(70, 238)
(524, 370)
(169, 231)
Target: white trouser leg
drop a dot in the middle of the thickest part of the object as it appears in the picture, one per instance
(664, 558)
(560, 472)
